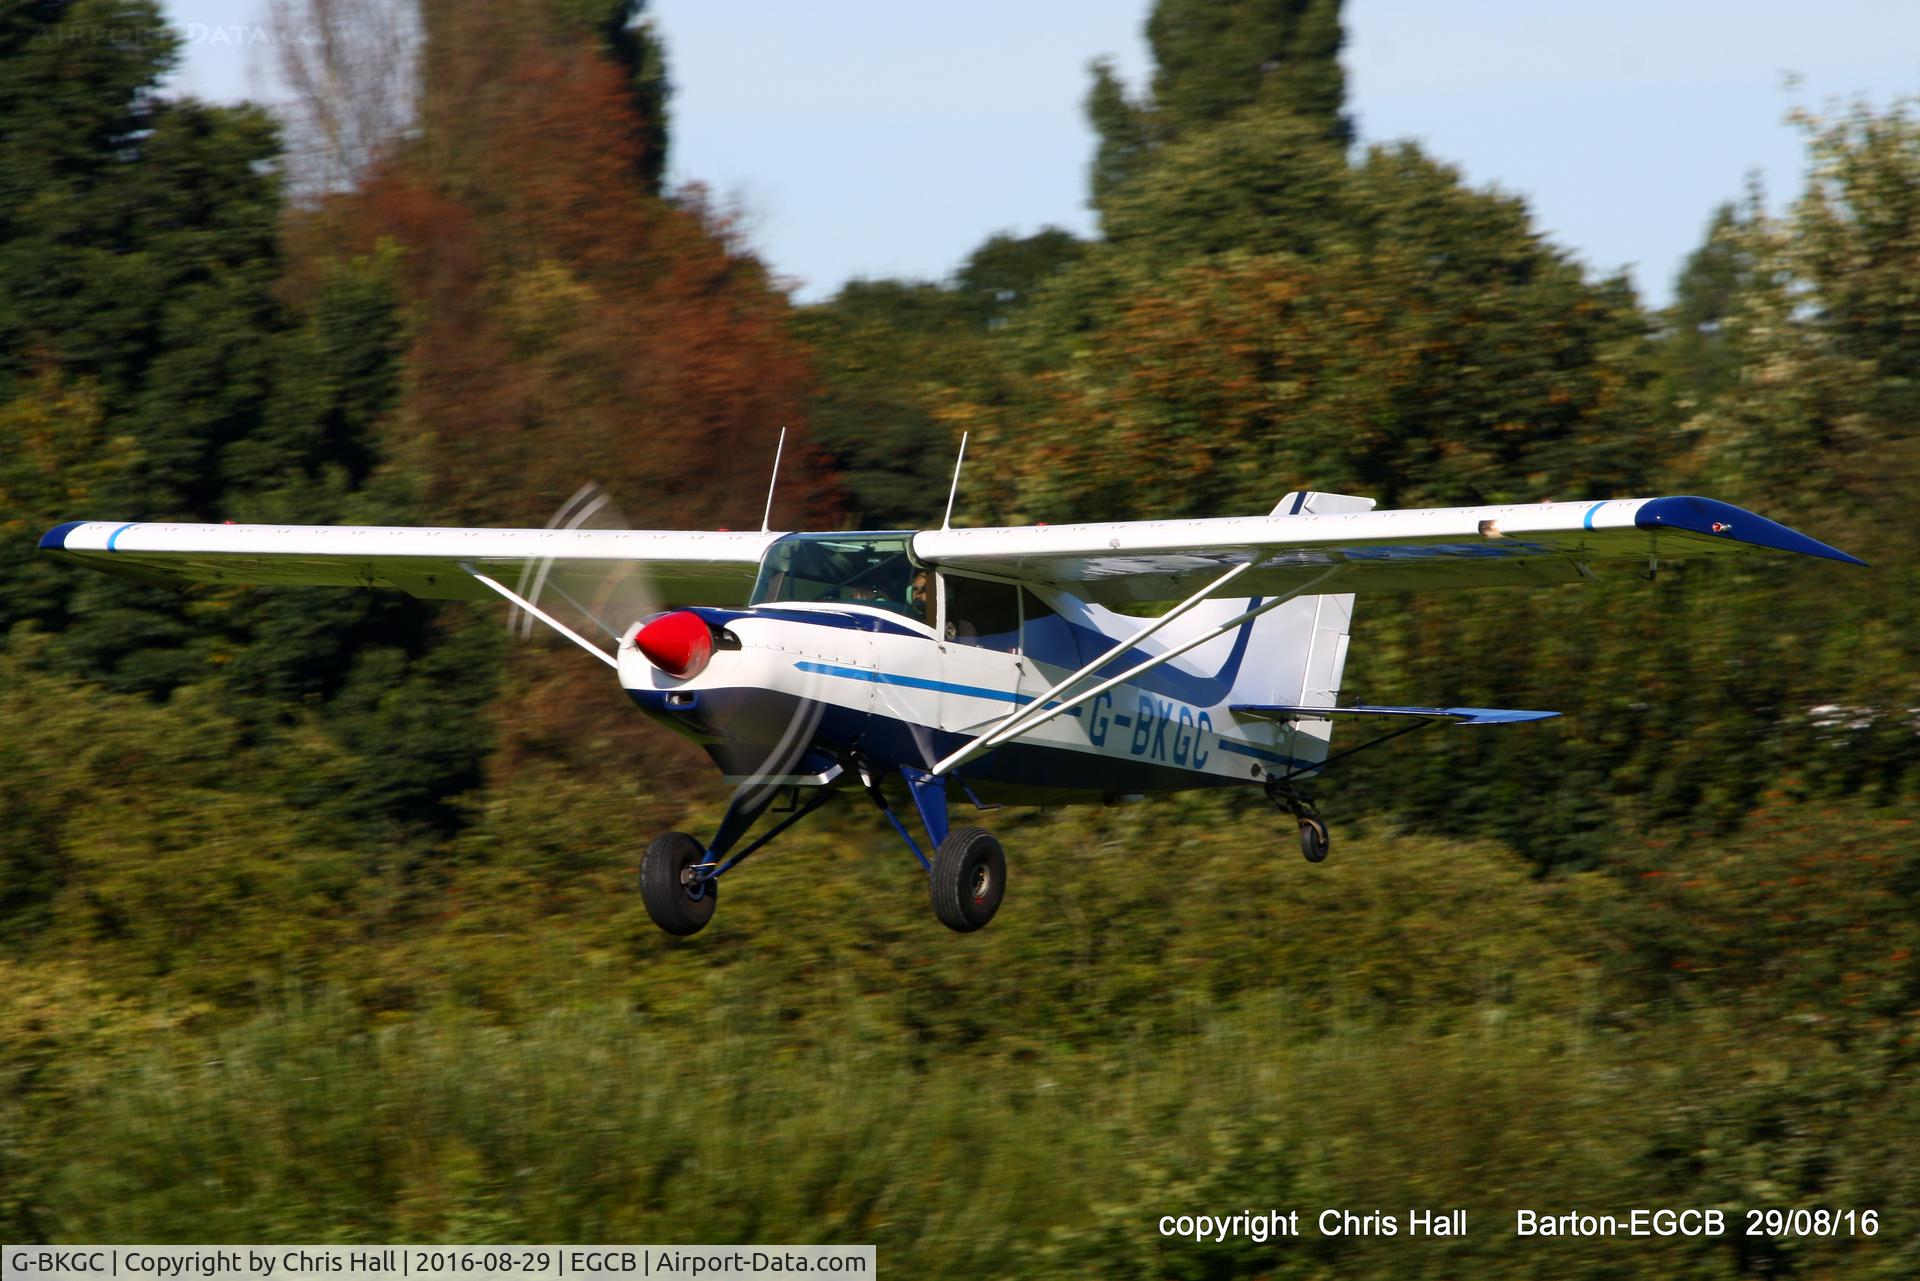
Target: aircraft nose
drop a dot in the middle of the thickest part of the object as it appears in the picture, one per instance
(679, 644)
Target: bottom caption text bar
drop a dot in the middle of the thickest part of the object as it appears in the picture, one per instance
(407, 1262)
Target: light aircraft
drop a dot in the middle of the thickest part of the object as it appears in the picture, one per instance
(982, 666)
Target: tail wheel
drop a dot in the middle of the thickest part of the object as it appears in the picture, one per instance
(677, 899)
(1314, 840)
(969, 879)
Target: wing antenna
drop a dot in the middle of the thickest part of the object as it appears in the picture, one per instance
(946, 522)
(766, 519)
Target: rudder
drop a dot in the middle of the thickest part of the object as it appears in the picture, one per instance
(1297, 653)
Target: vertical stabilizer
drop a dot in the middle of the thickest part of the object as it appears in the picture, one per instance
(1297, 653)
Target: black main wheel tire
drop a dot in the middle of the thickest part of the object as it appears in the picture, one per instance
(969, 879)
(674, 906)
(1314, 841)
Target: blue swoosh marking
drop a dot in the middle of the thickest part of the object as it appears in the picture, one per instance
(1586, 521)
(115, 535)
(1165, 680)
(811, 618)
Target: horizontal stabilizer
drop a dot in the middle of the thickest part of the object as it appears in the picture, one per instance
(1458, 715)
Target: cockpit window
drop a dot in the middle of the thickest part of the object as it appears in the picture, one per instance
(856, 569)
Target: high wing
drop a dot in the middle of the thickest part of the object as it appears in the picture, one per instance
(670, 567)
(1414, 549)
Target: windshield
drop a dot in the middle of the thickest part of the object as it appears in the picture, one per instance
(857, 569)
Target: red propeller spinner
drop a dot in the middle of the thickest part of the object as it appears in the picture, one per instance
(679, 644)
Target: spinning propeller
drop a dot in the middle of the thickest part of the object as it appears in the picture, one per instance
(621, 603)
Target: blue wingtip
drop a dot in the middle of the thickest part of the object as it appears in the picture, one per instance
(1723, 520)
(55, 539)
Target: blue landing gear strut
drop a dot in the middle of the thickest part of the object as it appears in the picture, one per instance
(967, 875)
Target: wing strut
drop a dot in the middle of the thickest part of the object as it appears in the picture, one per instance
(1037, 713)
(544, 617)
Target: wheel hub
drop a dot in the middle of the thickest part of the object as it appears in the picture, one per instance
(693, 882)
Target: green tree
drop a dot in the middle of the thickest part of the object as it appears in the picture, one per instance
(137, 240)
(888, 352)
(884, 348)
(137, 255)
(155, 364)
(1003, 274)
(1696, 355)
(1403, 336)
(1213, 61)
(1820, 426)
(1270, 312)
(1262, 182)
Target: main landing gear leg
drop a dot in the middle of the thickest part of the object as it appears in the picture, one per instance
(967, 875)
(1314, 841)
(680, 877)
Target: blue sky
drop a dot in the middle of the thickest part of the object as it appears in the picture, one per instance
(881, 139)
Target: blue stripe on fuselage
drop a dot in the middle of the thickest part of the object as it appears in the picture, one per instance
(911, 682)
(921, 682)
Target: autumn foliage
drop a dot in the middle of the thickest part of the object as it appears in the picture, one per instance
(569, 326)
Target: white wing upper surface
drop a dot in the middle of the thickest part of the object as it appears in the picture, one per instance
(669, 566)
(1113, 564)
(1414, 549)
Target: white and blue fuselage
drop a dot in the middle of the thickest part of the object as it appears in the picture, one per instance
(796, 688)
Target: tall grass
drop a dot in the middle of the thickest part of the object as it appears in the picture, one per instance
(1416, 1024)
(592, 1123)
